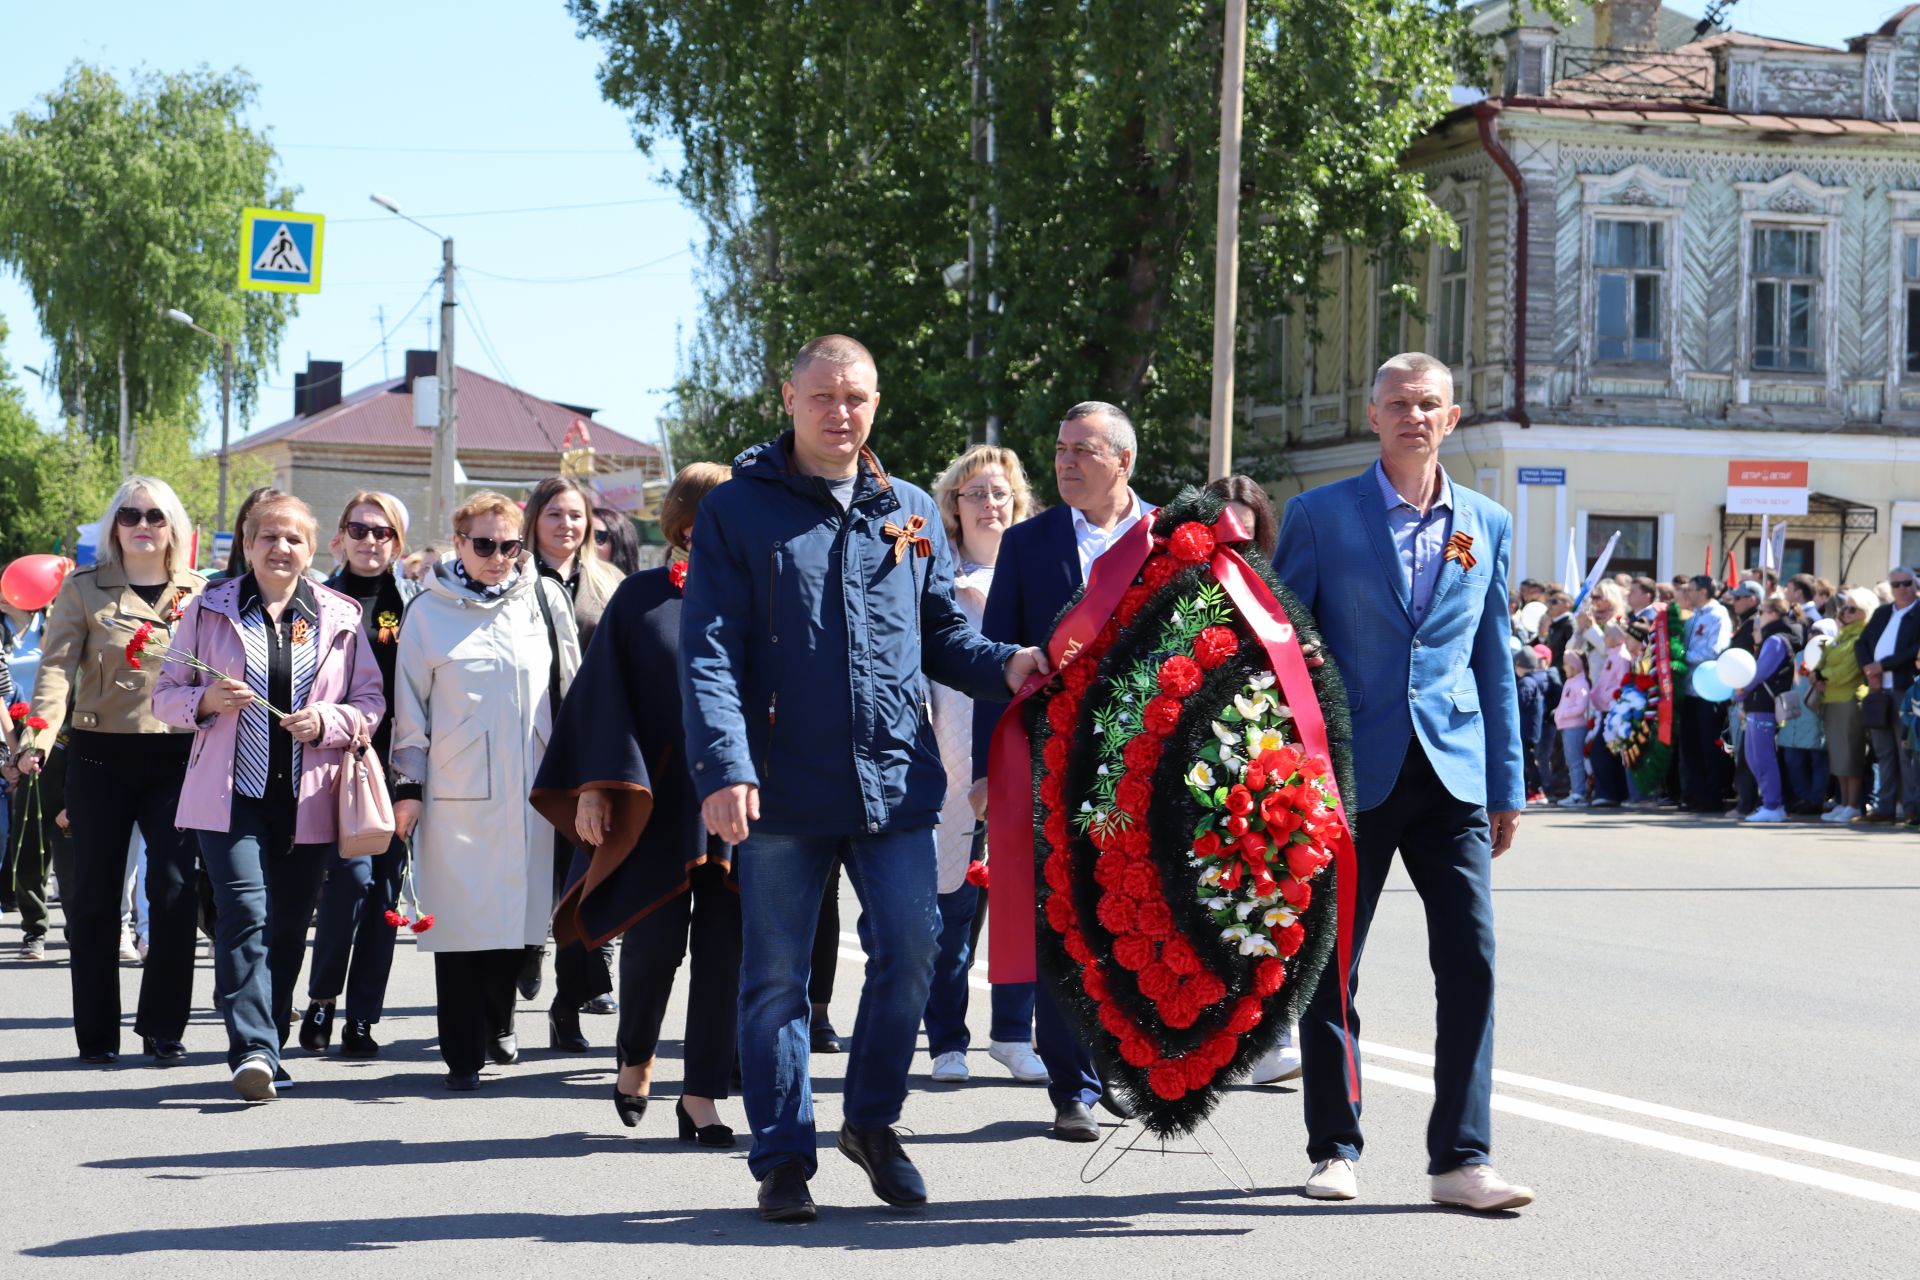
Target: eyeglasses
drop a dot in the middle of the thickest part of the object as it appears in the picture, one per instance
(985, 497)
(601, 537)
(1850, 609)
(360, 532)
(488, 548)
(1900, 582)
(129, 517)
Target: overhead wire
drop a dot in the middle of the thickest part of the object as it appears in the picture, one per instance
(501, 213)
(485, 339)
(368, 355)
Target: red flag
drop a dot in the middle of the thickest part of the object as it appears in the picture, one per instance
(1733, 571)
(1708, 570)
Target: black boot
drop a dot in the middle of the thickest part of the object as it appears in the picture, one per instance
(356, 1039)
(316, 1027)
(563, 1031)
(529, 980)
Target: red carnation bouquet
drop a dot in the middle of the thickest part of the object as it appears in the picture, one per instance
(144, 645)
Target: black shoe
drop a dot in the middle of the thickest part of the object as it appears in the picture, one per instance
(1074, 1123)
(630, 1106)
(504, 1049)
(784, 1196)
(463, 1081)
(706, 1135)
(100, 1058)
(1113, 1104)
(529, 980)
(563, 1031)
(825, 1039)
(356, 1039)
(316, 1027)
(163, 1052)
(601, 1004)
(893, 1176)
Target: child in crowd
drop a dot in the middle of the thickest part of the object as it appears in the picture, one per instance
(1570, 719)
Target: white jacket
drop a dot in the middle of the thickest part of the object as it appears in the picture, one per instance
(470, 723)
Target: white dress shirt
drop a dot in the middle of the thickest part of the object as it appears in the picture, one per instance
(1091, 542)
(1883, 647)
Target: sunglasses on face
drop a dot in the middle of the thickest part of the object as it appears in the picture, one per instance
(1900, 582)
(358, 532)
(601, 537)
(130, 517)
(488, 548)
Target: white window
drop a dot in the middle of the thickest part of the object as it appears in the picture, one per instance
(1629, 271)
(1389, 316)
(1450, 303)
(1786, 298)
(1910, 275)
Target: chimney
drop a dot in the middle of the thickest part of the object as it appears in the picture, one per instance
(299, 395)
(1530, 53)
(323, 385)
(1627, 24)
(421, 364)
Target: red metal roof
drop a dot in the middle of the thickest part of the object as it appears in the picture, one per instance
(492, 417)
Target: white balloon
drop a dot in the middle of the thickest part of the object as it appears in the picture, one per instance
(1530, 615)
(1737, 668)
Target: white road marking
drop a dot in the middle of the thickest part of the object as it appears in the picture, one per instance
(1638, 1135)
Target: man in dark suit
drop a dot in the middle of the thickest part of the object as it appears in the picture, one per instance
(1043, 562)
(1887, 650)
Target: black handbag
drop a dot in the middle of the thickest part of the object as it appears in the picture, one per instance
(1877, 709)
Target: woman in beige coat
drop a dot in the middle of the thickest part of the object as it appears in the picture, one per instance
(488, 649)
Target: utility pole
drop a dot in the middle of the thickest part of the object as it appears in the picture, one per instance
(380, 319)
(1226, 267)
(993, 205)
(226, 425)
(446, 437)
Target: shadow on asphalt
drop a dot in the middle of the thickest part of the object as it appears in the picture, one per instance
(1078, 1215)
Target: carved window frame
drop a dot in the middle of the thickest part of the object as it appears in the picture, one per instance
(1327, 358)
(1637, 193)
(1792, 200)
(1905, 224)
(1461, 200)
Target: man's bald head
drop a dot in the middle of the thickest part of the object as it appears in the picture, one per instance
(834, 349)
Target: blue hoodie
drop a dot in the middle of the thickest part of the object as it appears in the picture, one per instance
(806, 644)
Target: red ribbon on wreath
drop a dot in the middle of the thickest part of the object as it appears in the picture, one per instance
(1663, 665)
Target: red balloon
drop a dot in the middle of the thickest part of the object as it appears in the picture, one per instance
(31, 582)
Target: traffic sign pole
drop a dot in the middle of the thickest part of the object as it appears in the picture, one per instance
(446, 437)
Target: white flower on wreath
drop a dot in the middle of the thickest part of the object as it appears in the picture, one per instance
(1264, 738)
(1201, 775)
(1228, 737)
(1278, 918)
(1253, 708)
(1211, 876)
(1236, 933)
(1244, 909)
(1257, 944)
(1218, 904)
(1261, 680)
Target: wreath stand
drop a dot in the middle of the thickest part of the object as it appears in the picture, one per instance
(1138, 1140)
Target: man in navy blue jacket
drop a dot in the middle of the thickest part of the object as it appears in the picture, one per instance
(818, 601)
(1043, 562)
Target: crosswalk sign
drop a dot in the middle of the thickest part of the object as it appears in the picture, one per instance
(280, 250)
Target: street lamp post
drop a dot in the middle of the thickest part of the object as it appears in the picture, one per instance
(226, 403)
(1226, 268)
(441, 493)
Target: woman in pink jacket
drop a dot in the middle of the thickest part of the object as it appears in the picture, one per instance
(260, 784)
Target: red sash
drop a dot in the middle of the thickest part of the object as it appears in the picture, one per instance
(1663, 665)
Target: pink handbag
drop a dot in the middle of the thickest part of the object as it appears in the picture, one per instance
(366, 810)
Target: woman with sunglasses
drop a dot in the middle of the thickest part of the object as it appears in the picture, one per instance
(487, 652)
(614, 541)
(352, 941)
(1843, 686)
(560, 525)
(125, 767)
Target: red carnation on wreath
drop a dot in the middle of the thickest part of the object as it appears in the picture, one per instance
(1179, 676)
(1192, 542)
(1214, 646)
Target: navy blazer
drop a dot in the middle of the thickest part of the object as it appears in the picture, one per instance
(1906, 645)
(1036, 574)
(1448, 681)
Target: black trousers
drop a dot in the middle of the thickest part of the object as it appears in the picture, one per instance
(578, 974)
(826, 943)
(111, 787)
(474, 992)
(703, 923)
(1704, 763)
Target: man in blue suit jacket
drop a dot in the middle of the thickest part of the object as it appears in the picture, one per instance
(1407, 577)
(1041, 565)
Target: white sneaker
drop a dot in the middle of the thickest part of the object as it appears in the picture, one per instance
(1767, 815)
(1019, 1059)
(253, 1080)
(1478, 1186)
(1282, 1062)
(127, 950)
(1332, 1180)
(951, 1068)
(1839, 813)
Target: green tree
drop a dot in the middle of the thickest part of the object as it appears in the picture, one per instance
(830, 148)
(119, 201)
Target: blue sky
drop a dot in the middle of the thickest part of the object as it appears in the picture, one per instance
(458, 111)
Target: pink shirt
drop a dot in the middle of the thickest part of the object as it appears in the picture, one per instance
(1571, 713)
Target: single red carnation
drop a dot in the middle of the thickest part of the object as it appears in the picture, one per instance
(1161, 715)
(977, 874)
(1290, 939)
(1181, 957)
(1297, 893)
(1159, 572)
(1142, 753)
(19, 710)
(1060, 912)
(1246, 1015)
(1134, 600)
(1198, 1071)
(1110, 869)
(1157, 981)
(1179, 1010)
(421, 925)
(1114, 1021)
(1116, 913)
(677, 574)
(1133, 795)
(1062, 710)
(1141, 883)
(1058, 873)
(1054, 754)
(1191, 542)
(394, 918)
(1268, 976)
(1094, 982)
(1239, 800)
(1053, 790)
(36, 722)
(1076, 945)
(1138, 1051)
(1078, 675)
(1214, 646)
(1168, 1081)
(1154, 919)
(1207, 989)
(1179, 676)
(1207, 844)
(1133, 952)
(1054, 829)
(1135, 842)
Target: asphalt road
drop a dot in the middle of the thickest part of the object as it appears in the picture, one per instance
(1707, 1045)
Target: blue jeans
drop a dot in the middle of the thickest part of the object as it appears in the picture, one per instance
(264, 887)
(781, 881)
(1807, 773)
(1012, 1013)
(352, 941)
(1573, 744)
(946, 1017)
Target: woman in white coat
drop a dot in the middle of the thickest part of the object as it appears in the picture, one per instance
(488, 649)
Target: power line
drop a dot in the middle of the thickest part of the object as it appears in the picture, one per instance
(463, 151)
(378, 346)
(492, 353)
(501, 213)
(605, 275)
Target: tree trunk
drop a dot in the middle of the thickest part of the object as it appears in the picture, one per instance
(126, 422)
